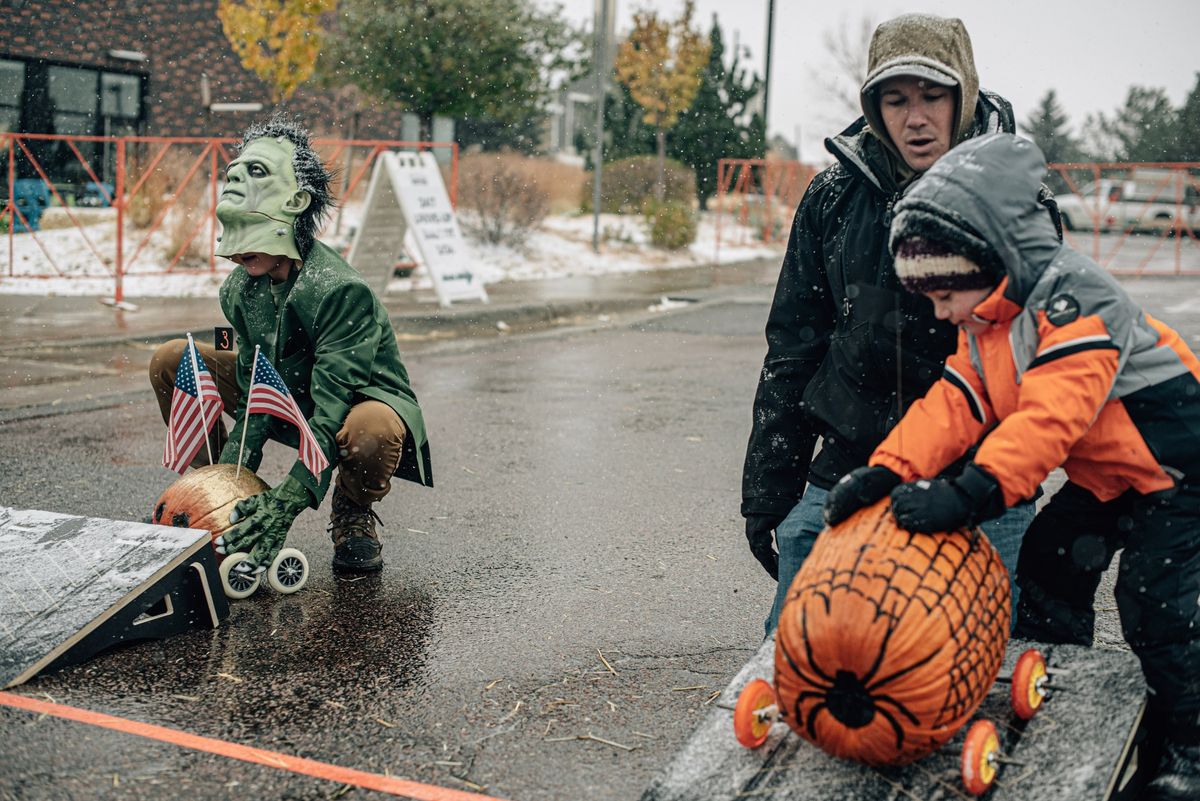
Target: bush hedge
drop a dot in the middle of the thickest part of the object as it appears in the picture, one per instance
(672, 224)
(502, 196)
(628, 184)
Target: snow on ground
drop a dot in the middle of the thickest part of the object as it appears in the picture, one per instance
(563, 248)
(79, 261)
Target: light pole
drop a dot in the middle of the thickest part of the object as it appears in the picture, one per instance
(767, 67)
(605, 11)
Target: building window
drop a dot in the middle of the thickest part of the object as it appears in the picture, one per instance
(12, 84)
(73, 100)
(120, 103)
(36, 97)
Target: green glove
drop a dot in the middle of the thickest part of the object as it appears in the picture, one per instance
(263, 522)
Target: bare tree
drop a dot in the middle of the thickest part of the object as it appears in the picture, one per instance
(846, 49)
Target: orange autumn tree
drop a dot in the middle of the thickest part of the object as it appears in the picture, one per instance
(662, 63)
(277, 40)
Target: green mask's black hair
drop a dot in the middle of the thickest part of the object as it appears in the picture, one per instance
(311, 174)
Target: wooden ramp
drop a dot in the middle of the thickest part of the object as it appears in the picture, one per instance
(1087, 743)
(73, 586)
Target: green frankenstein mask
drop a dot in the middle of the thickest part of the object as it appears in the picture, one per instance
(261, 201)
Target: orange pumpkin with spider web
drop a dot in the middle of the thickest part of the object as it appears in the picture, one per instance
(889, 640)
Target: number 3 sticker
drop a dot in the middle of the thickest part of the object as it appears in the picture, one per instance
(223, 338)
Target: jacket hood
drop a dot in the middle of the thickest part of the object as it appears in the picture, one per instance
(867, 156)
(982, 199)
(937, 49)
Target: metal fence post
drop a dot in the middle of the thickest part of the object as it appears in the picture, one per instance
(119, 199)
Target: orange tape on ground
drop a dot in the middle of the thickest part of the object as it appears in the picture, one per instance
(273, 759)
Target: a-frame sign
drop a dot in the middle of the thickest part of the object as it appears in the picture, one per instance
(407, 196)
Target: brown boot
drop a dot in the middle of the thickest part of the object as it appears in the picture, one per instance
(356, 546)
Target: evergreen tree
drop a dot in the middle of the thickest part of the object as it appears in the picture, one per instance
(625, 126)
(1047, 126)
(1145, 129)
(624, 132)
(1188, 126)
(714, 126)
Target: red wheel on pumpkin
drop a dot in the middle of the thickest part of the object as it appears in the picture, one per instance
(981, 752)
(1029, 684)
(756, 710)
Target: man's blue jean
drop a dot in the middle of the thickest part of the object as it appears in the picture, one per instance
(798, 532)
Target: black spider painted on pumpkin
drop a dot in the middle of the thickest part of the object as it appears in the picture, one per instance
(852, 700)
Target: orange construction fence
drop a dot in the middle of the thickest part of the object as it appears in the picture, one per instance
(129, 204)
(756, 199)
(1131, 218)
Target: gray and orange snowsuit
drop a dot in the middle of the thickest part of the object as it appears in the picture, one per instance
(1070, 372)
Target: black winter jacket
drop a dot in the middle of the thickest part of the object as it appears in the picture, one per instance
(842, 334)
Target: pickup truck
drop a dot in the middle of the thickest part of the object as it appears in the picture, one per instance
(1145, 201)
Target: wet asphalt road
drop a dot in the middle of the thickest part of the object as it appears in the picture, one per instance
(585, 513)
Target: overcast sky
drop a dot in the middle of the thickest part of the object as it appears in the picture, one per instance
(1089, 51)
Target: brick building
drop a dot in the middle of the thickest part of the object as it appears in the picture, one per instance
(151, 68)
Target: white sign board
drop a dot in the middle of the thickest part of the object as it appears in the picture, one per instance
(380, 237)
(414, 183)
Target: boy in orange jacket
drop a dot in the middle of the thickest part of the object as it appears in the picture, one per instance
(1055, 365)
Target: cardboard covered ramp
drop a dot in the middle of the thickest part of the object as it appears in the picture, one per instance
(1087, 743)
(73, 586)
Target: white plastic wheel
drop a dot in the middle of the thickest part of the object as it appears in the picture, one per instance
(237, 585)
(289, 572)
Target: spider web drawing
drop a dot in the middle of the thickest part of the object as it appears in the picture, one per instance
(890, 640)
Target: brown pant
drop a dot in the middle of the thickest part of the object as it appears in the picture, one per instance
(370, 441)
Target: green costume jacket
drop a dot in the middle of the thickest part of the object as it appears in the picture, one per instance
(332, 343)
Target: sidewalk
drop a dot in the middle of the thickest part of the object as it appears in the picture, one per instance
(67, 354)
(28, 322)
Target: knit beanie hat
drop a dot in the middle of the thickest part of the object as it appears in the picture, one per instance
(925, 265)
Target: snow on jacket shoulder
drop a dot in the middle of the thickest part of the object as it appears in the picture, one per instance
(1071, 372)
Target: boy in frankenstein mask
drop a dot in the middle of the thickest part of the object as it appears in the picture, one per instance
(329, 338)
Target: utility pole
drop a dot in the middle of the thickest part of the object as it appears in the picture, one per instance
(767, 70)
(605, 11)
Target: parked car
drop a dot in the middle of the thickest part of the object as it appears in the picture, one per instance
(1147, 200)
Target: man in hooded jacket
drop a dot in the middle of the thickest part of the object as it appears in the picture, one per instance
(847, 349)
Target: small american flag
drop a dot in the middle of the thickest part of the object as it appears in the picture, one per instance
(189, 422)
(269, 395)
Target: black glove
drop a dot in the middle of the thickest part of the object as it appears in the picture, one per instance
(941, 504)
(858, 488)
(760, 531)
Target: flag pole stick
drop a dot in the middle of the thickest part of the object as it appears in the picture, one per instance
(246, 417)
(199, 395)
